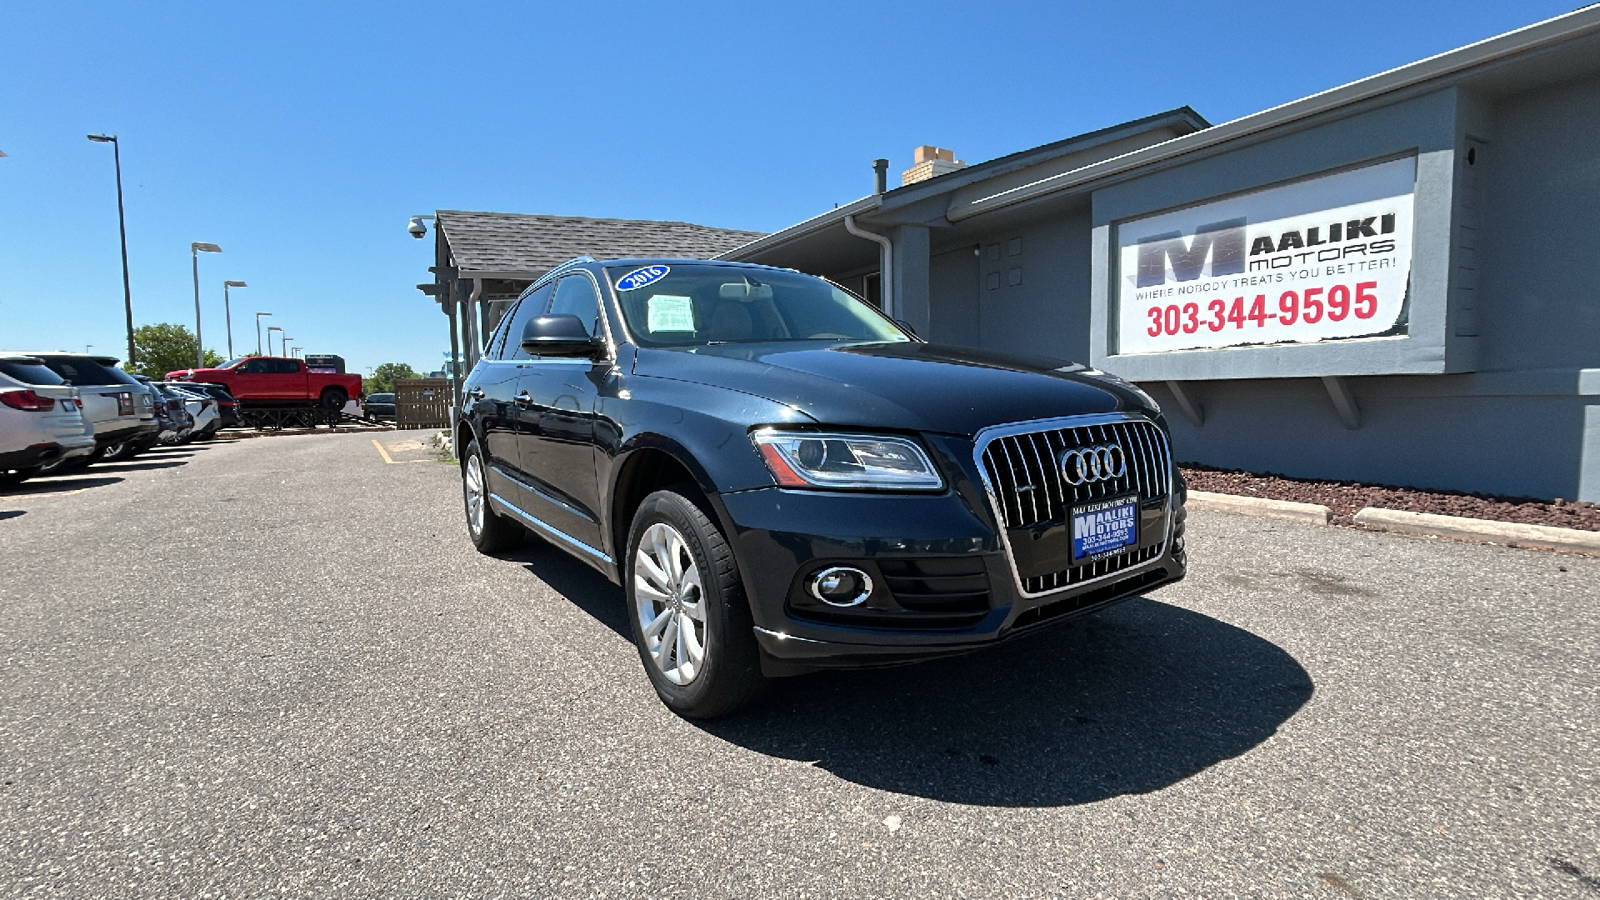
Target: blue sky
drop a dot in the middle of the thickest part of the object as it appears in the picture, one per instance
(300, 137)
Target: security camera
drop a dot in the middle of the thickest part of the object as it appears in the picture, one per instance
(416, 228)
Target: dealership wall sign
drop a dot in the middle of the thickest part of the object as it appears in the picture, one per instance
(1323, 259)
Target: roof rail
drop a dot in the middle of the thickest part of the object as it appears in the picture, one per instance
(575, 261)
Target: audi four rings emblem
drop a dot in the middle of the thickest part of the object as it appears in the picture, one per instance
(1087, 465)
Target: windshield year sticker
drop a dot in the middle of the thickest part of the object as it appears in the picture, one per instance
(667, 312)
(638, 278)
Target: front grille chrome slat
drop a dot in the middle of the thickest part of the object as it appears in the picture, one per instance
(1017, 456)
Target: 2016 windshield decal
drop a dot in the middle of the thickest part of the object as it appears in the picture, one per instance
(638, 278)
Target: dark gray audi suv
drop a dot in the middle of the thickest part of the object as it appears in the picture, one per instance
(782, 479)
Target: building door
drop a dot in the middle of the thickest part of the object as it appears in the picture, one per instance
(953, 296)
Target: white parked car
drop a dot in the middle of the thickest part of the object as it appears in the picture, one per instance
(207, 418)
(41, 419)
(120, 409)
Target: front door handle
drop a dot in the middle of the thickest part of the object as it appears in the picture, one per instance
(476, 393)
(524, 400)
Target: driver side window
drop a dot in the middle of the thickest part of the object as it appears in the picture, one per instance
(532, 305)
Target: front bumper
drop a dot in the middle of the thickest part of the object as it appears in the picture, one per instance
(943, 581)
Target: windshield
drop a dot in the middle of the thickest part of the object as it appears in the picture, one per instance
(690, 305)
(233, 362)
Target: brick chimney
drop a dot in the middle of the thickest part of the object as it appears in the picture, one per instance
(931, 162)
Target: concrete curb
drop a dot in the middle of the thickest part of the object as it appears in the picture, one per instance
(1571, 540)
(1308, 513)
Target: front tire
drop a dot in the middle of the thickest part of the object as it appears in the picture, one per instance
(17, 476)
(490, 532)
(689, 618)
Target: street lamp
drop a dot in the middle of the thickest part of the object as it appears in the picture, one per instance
(199, 345)
(270, 330)
(258, 331)
(122, 228)
(283, 344)
(227, 310)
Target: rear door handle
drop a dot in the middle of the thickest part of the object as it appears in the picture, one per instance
(524, 400)
(476, 393)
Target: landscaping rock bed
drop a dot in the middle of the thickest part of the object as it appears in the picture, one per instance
(1346, 498)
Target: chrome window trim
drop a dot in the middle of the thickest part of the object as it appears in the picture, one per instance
(980, 443)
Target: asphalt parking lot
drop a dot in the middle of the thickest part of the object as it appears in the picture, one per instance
(277, 668)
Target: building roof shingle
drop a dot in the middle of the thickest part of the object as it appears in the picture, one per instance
(512, 244)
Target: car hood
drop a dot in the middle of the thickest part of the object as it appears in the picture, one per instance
(900, 386)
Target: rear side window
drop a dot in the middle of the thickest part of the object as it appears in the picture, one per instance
(285, 366)
(30, 373)
(84, 371)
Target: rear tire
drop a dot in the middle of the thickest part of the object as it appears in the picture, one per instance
(490, 532)
(687, 610)
(334, 399)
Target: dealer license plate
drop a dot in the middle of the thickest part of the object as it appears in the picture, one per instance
(1104, 528)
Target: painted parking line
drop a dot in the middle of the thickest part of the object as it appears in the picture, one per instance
(384, 452)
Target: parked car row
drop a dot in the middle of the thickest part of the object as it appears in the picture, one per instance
(63, 410)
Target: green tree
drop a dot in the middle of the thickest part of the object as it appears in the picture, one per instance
(383, 377)
(165, 348)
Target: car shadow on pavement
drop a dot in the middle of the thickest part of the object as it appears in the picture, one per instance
(1130, 700)
(55, 484)
(11, 513)
(580, 585)
(141, 465)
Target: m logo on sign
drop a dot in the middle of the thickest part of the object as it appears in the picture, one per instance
(1220, 242)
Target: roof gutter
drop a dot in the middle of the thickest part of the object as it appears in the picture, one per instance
(1562, 28)
(802, 229)
(885, 262)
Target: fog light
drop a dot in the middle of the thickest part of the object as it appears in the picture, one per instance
(841, 586)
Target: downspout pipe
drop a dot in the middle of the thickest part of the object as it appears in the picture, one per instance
(885, 263)
(474, 322)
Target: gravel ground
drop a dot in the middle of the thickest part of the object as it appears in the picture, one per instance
(277, 668)
(1346, 498)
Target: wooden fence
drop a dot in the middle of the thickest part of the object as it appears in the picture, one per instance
(422, 403)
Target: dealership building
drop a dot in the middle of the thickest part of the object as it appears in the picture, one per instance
(1389, 282)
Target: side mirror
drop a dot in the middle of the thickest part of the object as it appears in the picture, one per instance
(562, 334)
(906, 327)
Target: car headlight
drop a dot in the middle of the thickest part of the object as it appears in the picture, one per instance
(808, 459)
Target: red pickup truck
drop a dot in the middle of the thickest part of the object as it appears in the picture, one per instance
(276, 381)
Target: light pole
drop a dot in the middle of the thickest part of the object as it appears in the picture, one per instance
(258, 331)
(270, 330)
(122, 227)
(283, 344)
(199, 345)
(227, 310)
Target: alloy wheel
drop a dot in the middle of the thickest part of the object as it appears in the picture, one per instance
(472, 486)
(669, 600)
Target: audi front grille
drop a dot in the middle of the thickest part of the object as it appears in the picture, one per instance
(1022, 467)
